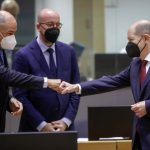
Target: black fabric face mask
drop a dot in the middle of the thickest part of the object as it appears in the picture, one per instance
(51, 34)
(132, 50)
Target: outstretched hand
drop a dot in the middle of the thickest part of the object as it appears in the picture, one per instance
(62, 87)
(68, 88)
(54, 84)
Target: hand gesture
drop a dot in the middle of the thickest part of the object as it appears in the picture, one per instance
(48, 128)
(139, 109)
(54, 84)
(68, 88)
(15, 106)
(59, 125)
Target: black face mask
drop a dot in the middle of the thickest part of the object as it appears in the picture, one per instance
(133, 50)
(51, 34)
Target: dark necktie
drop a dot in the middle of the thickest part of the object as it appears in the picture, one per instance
(52, 65)
(143, 71)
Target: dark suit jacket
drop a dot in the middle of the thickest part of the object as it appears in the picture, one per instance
(129, 76)
(40, 105)
(13, 78)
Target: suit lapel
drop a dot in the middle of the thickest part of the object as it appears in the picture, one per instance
(147, 79)
(5, 59)
(60, 60)
(1, 55)
(135, 80)
(37, 53)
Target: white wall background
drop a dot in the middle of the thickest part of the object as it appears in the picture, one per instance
(119, 15)
(65, 10)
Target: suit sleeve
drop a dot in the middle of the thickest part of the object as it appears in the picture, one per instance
(147, 104)
(106, 83)
(8, 108)
(21, 64)
(74, 98)
(14, 78)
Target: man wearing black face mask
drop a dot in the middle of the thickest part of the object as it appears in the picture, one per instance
(8, 77)
(137, 75)
(133, 50)
(47, 110)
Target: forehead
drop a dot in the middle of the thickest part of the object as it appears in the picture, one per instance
(10, 27)
(50, 17)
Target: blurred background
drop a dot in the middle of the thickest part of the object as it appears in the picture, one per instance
(98, 31)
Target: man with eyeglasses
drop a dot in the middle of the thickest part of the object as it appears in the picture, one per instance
(8, 27)
(47, 110)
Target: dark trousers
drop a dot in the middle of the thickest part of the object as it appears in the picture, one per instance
(137, 143)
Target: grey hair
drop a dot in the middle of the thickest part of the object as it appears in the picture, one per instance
(143, 28)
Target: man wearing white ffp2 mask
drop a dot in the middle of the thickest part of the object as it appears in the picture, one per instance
(8, 42)
(8, 77)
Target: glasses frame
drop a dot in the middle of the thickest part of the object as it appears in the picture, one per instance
(51, 24)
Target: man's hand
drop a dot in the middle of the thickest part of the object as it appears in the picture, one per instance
(48, 128)
(59, 125)
(139, 109)
(54, 84)
(15, 106)
(68, 88)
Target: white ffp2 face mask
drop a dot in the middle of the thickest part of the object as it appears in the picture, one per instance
(8, 42)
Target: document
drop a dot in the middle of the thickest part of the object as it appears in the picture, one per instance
(114, 138)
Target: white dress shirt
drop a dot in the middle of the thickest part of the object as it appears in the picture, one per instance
(148, 63)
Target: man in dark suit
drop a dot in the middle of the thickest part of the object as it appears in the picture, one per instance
(8, 27)
(137, 75)
(45, 56)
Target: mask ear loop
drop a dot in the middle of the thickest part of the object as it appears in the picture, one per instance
(1, 35)
(42, 26)
(143, 47)
(139, 41)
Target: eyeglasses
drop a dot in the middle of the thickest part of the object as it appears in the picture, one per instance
(51, 24)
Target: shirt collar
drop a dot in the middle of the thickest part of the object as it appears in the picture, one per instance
(43, 46)
(147, 57)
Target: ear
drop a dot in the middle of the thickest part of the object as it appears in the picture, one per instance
(146, 37)
(38, 26)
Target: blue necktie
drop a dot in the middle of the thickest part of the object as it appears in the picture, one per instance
(52, 65)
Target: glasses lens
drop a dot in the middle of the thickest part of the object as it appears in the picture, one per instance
(51, 25)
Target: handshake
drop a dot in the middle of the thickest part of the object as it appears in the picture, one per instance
(62, 86)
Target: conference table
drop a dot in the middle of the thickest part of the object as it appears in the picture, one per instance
(105, 145)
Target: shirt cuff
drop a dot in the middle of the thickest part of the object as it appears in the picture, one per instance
(66, 121)
(45, 84)
(11, 99)
(41, 125)
(80, 89)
